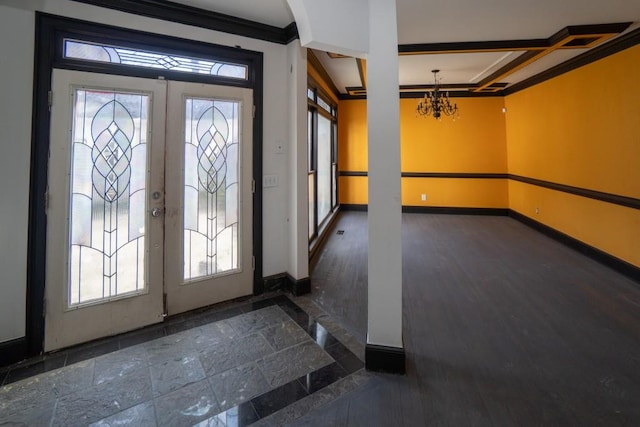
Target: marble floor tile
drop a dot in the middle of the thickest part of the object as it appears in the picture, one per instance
(238, 416)
(118, 364)
(259, 319)
(142, 415)
(170, 347)
(278, 398)
(234, 353)
(266, 361)
(103, 400)
(175, 373)
(186, 406)
(212, 334)
(54, 361)
(28, 415)
(323, 377)
(285, 334)
(238, 385)
(297, 409)
(86, 352)
(48, 386)
(287, 365)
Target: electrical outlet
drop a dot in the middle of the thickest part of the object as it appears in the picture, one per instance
(423, 197)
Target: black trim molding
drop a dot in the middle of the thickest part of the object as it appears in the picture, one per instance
(444, 210)
(298, 287)
(13, 351)
(463, 175)
(592, 55)
(353, 173)
(380, 358)
(615, 199)
(610, 261)
(353, 207)
(189, 15)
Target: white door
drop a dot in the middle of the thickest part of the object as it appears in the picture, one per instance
(209, 235)
(111, 251)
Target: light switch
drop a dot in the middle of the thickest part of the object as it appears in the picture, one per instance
(270, 181)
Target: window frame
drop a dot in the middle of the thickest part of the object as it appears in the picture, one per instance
(316, 109)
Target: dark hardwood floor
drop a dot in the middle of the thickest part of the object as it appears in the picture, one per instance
(502, 327)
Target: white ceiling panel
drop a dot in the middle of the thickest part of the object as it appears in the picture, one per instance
(454, 68)
(271, 12)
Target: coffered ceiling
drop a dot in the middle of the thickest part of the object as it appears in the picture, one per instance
(480, 47)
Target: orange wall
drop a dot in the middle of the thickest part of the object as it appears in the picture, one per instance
(475, 143)
(581, 129)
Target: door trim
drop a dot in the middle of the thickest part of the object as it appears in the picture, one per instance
(49, 32)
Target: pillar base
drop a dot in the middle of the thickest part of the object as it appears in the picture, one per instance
(380, 358)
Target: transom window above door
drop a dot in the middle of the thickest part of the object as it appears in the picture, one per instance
(89, 51)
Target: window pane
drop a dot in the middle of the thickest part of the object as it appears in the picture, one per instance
(312, 205)
(310, 140)
(311, 94)
(211, 196)
(334, 186)
(108, 195)
(324, 105)
(141, 58)
(324, 167)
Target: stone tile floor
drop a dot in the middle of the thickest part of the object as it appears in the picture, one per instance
(265, 362)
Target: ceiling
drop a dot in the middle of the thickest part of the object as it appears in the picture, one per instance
(451, 36)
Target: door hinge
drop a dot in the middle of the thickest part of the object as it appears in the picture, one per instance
(253, 113)
(44, 307)
(253, 262)
(50, 99)
(253, 185)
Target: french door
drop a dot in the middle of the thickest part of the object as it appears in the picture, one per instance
(149, 202)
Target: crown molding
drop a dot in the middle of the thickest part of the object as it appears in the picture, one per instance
(174, 12)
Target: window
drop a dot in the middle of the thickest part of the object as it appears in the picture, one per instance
(322, 160)
(89, 51)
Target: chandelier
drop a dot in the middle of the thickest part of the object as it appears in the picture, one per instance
(436, 103)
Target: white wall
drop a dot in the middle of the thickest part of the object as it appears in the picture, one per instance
(16, 76)
(16, 44)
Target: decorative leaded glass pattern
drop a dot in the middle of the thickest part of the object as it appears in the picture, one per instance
(108, 195)
(141, 58)
(324, 105)
(211, 187)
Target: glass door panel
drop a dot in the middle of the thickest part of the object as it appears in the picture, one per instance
(211, 188)
(108, 195)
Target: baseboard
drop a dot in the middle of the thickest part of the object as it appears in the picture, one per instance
(443, 210)
(354, 207)
(13, 351)
(621, 266)
(298, 286)
(275, 282)
(380, 358)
